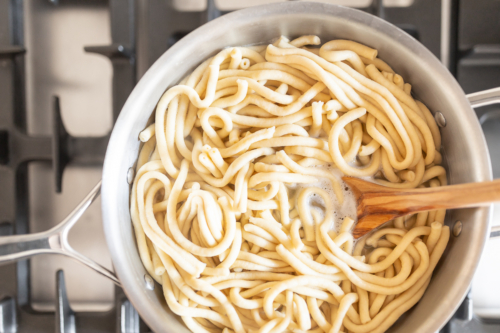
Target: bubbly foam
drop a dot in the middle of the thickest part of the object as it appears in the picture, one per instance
(346, 209)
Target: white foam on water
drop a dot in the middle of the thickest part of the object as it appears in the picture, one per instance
(346, 209)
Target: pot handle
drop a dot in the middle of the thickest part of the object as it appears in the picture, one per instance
(482, 98)
(485, 97)
(55, 240)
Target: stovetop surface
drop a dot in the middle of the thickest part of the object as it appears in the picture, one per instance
(67, 67)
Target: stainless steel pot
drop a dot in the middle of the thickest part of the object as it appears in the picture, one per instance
(465, 151)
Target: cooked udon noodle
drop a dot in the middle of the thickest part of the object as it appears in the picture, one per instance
(227, 212)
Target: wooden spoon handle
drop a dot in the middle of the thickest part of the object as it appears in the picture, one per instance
(377, 205)
(445, 197)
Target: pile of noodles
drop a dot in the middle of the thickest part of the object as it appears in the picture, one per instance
(226, 207)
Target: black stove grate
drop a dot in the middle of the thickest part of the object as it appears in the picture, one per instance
(18, 148)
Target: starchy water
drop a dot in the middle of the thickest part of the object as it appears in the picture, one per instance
(346, 209)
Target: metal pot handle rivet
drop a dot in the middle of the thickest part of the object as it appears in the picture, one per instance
(440, 119)
(130, 175)
(457, 228)
(150, 283)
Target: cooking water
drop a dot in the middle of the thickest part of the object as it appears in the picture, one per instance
(346, 209)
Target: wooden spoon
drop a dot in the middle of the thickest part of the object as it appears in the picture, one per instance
(378, 204)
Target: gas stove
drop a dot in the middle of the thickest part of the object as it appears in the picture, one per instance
(66, 69)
